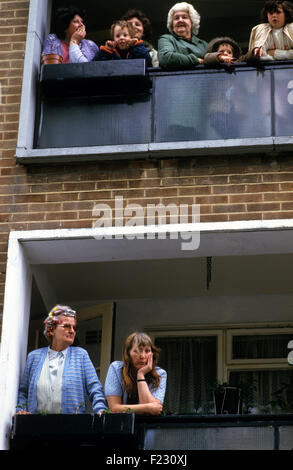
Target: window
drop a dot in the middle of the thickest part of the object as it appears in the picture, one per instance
(259, 360)
(255, 359)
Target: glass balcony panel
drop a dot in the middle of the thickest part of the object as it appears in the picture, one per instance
(283, 102)
(163, 106)
(84, 122)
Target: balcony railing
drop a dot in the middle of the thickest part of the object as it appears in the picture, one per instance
(118, 104)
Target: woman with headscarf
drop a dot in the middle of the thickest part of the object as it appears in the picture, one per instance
(58, 378)
(136, 382)
(68, 37)
(182, 47)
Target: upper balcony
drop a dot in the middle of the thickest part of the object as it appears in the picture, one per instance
(119, 109)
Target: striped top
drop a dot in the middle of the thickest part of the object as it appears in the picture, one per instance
(79, 380)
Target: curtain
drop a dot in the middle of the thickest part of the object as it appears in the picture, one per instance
(191, 365)
(267, 391)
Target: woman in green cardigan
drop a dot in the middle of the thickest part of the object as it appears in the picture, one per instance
(182, 47)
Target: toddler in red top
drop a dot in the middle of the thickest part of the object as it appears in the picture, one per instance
(123, 45)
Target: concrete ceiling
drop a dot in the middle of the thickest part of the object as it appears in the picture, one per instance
(83, 271)
(82, 283)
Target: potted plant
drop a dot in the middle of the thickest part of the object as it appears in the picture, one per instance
(51, 59)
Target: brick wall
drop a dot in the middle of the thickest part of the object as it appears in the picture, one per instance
(227, 188)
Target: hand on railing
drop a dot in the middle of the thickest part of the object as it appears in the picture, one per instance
(226, 59)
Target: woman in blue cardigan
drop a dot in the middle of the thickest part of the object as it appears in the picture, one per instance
(58, 378)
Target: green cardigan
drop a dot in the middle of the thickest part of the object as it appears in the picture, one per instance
(174, 51)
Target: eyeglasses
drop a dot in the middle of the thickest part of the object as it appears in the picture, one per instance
(68, 326)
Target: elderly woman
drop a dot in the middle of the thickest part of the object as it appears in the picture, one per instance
(59, 377)
(182, 47)
(143, 31)
(68, 37)
(136, 382)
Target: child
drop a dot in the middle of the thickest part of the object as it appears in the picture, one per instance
(222, 50)
(273, 38)
(123, 45)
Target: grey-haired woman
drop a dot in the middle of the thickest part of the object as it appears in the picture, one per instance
(58, 378)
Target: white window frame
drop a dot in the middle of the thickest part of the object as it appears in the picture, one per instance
(273, 330)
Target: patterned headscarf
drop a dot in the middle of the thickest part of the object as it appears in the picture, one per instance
(53, 319)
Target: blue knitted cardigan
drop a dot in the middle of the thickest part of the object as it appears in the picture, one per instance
(79, 380)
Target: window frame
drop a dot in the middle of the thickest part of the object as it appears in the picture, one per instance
(254, 331)
(225, 333)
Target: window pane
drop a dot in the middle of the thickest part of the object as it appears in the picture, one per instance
(260, 346)
(265, 391)
(191, 365)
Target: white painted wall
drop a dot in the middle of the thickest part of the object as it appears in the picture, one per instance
(16, 312)
(39, 15)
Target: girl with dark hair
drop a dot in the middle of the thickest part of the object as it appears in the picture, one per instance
(143, 31)
(136, 382)
(68, 37)
(273, 38)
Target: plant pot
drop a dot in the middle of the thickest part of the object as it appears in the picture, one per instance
(227, 400)
(115, 423)
(51, 59)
